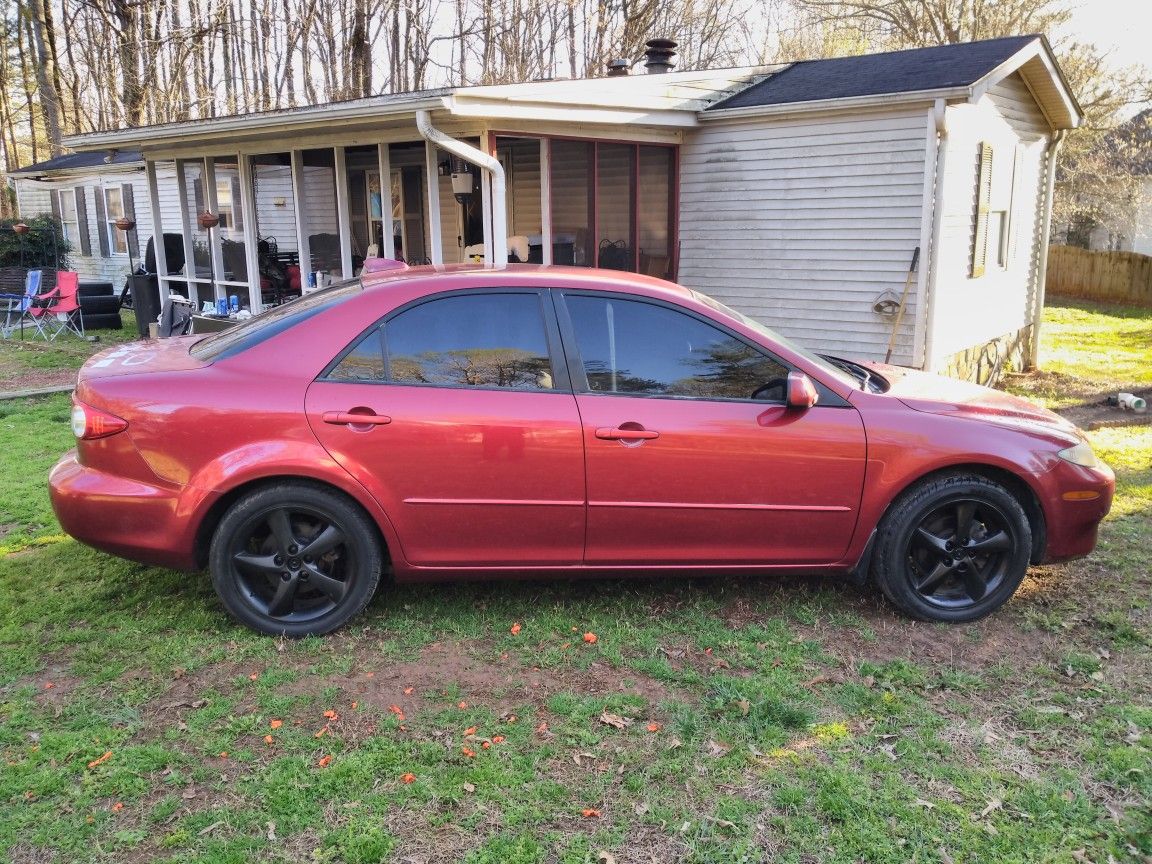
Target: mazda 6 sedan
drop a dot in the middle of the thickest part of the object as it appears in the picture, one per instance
(549, 421)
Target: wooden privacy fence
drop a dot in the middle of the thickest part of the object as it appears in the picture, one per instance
(1114, 277)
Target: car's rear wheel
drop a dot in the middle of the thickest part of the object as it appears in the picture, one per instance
(295, 559)
(954, 548)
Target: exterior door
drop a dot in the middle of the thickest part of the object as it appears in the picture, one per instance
(692, 455)
(452, 413)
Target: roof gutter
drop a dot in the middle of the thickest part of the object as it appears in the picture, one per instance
(484, 162)
(1042, 268)
(846, 103)
(248, 124)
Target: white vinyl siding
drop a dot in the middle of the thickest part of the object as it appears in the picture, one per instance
(804, 223)
(971, 311)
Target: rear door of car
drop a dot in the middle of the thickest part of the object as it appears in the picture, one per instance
(456, 412)
(685, 466)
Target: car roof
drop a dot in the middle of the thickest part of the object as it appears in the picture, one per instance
(526, 275)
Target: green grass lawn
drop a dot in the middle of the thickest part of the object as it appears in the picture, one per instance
(717, 720)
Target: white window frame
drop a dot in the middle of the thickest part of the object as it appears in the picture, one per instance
(66, 198)
(225, 206)
(117, 239)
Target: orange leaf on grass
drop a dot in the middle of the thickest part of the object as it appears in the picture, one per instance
(323, 731)
(398, 711)
(468, 751)
(589, 813)
(408, 691)
(276, 724)
(471, 730)
(408, 778)
(253, 676)
(486, 744)
(515, 629)
(223, 754)
(118, 806)
(462, 705)
(497, 739)
(654, 727)
(591, 638)
(330, 714)
(543, 727)
(48, 685)
(354, 705)
(101, 760)
(268, 739)
(325, 761)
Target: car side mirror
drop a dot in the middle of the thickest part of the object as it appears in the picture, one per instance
(801, 391)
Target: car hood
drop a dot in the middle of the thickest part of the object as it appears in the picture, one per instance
(146, 356)
(936, 394)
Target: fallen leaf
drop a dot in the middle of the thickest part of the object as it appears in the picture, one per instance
(745, 706)
(819, 679)
(189, 793)
(369, 674)
(589, 813)
(462, 705)
(673, 743)
(543, 727)
(331, 715)
(927, 805)
(486, 745)
(471, 730)
(118, 806)
(407, 778)
(467, 751)
(468, 787)
(253, 676)
(355, 705)
(497, 739)
(271, 831)
(408, 691)
(708, 651)
(325, 761)
(615, 720)
(716, 748)
(48, 685)
(199, 703)
(268, 739)
(605, 857)
(515, 629)
(591, 639)
(276, 724)
(101, 760)
(1081, 856)
(210, 828)
(223, 754)
(654, 727)
(994, 804)
(640, 809)
(398, 711)
(323, 731)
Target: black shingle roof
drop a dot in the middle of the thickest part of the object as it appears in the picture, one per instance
(94, 159)
(874, 74)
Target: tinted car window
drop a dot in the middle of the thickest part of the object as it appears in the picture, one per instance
(477, 340)
(365, 362)
(640, 348)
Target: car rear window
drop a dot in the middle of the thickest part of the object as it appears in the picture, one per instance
(258, 328)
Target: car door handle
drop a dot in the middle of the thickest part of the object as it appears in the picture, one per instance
(620, 433)
(348, 418)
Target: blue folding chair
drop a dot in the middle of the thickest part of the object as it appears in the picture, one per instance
(17, 306)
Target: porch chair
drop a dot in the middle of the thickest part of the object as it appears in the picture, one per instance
(21, 306)
(59, 309)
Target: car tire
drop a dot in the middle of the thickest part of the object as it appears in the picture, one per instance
(263, 572)
(952, 548)
(99, 305)
(109, 321)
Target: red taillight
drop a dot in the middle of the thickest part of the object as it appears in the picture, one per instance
(89, 423)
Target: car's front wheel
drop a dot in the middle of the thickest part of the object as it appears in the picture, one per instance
(295, 559)
(953, 548)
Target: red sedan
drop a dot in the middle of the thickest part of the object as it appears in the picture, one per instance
(556, 421)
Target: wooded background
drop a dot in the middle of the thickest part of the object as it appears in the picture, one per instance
(72, 66)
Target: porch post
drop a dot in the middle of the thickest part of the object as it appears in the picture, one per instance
(186, 233)
(302, 248)
(157, 226)
(213, 205)
(251, 252)
(435, 230)
(546, 200)
(486, 198)
(344, 224)
(384, 160)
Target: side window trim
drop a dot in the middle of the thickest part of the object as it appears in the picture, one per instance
(561, 381)
(576, 361)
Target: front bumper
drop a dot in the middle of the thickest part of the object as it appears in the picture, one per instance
(138, 521)
(1072, 525)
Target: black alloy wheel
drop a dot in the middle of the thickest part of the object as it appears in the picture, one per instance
(295, 559)
(952, 549)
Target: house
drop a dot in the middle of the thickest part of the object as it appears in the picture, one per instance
(795, 193)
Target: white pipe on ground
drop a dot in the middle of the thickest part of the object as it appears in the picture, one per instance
(484, 162)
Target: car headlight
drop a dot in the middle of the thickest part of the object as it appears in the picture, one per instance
(1081, 454)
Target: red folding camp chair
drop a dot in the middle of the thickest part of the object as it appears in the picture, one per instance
(59, 309)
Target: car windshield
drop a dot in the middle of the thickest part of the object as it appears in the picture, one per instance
(833, 371)
(276, 320)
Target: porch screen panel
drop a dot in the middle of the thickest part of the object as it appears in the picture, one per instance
(572, 195)
(614, 198)
(231, 228)
(276, 226)
(199, 271)
(320, 199)
(654, 210)
(168, 196)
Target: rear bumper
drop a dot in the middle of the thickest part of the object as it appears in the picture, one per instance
(138, 521)
(1072, 525)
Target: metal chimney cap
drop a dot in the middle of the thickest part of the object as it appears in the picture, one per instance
(664, 44)
(618, 68)
(658, 57)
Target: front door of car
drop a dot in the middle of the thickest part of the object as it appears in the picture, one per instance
(693, 457)
(455, 417)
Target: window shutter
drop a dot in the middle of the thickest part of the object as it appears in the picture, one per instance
(983, 200)
(237, 210)
(198, 196)
(102, 223)
(133, 236)
(81, 193)
(55, 196)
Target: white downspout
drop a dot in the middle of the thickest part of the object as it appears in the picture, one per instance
(486, 163)
(940, 115)
(1042, 264)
